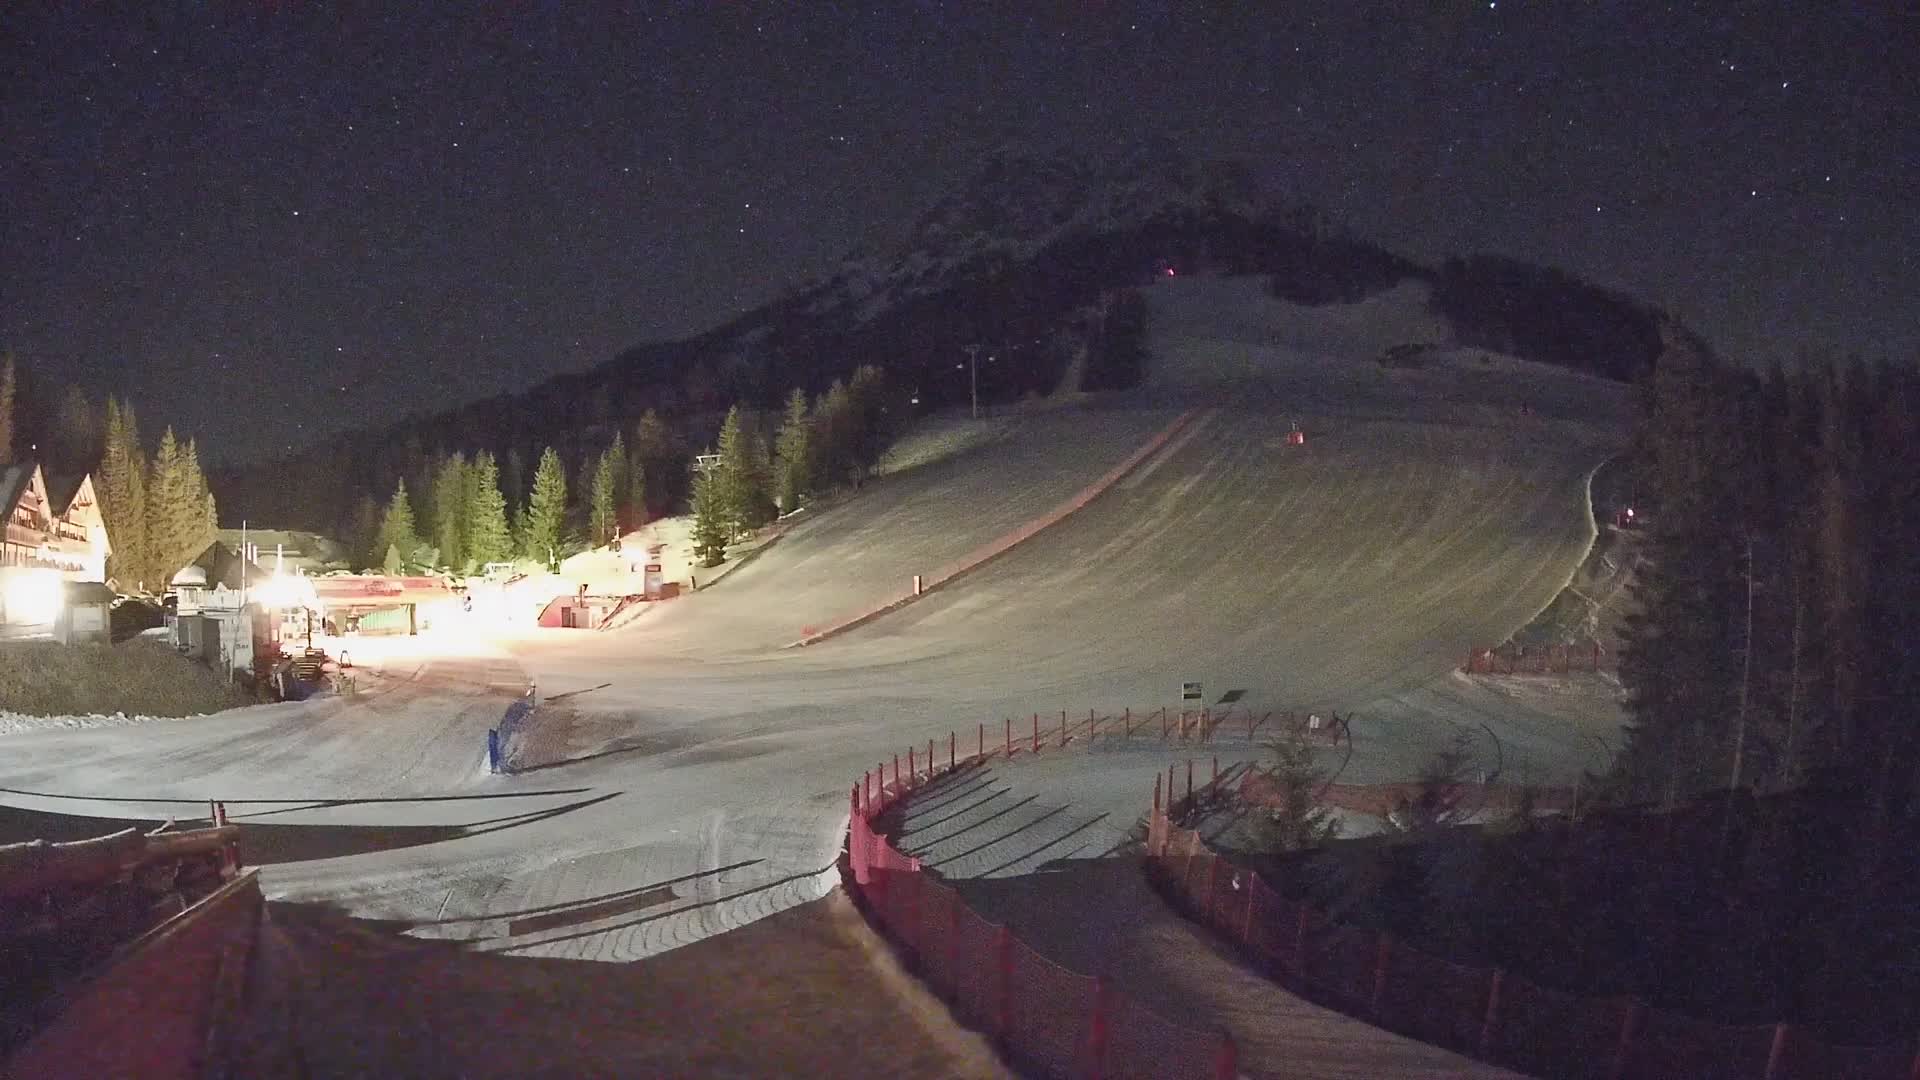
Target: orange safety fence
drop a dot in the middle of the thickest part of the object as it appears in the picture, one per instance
(1493, 1015)
(1046, 1019)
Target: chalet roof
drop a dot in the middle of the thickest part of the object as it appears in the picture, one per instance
(223, 566)
(13, 482)
(61, 489)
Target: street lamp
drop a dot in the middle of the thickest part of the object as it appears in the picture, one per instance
(973, 368)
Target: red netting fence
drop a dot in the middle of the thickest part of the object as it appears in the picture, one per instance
(1047, 1020)
(1493, 1015)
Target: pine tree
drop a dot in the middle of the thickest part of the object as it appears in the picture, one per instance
(603, 516)
(363, 533)
(1677, 659)
(489, 539)
(200, 518)
(8, 388)
(636, 493)
(397, 540)
(739, 482)
(546, 518)
(1837, 546)
(760, 462)
(660, 460)
(873, 418)
(616, 452)
(513, 485)
(169, 511)
(420, 479)
(834, 461)
(451, 505)
(793, 453)
(74, 444)
(123, 497)
(710, 528)
(1295, 820)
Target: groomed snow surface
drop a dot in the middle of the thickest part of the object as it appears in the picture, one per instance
(697, 772)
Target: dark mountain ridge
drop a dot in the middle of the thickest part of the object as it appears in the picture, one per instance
(1024, 259)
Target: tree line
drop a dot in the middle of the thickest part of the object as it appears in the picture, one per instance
(462, 512)
(1774, 644)
(157, 509)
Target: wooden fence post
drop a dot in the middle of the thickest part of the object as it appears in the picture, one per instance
(1009, 738)
(981, 753)
(856, 842)
(1063, 729)
(1189, 783)
(929, 759)
(911, 771)
(1490, 1024)
(1036, 733)
(952, 749)
(1126, 720)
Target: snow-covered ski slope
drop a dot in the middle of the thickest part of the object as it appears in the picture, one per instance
(706, 767)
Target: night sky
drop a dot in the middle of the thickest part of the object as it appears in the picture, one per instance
(268, 226)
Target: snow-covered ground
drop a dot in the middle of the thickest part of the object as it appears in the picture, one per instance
(1424, 514)
(12, 723)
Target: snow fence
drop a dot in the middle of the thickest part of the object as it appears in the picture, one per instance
(1494, 1015)
(1046, 1019)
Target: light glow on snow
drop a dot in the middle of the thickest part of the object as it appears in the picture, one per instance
(33, 595)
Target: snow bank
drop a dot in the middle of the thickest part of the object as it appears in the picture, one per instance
(12, 723)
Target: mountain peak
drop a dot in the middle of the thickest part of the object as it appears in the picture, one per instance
(1021, 198)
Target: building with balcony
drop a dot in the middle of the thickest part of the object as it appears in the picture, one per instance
(53, 533)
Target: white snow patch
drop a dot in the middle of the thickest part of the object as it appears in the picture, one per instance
(939, 438)
(12, 723)
(1203, 329)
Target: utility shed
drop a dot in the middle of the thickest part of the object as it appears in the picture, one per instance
(86, 614)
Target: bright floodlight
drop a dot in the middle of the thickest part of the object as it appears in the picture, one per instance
(288, 591)
(33, 596)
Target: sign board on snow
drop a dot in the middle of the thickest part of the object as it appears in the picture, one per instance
(1190, 691)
